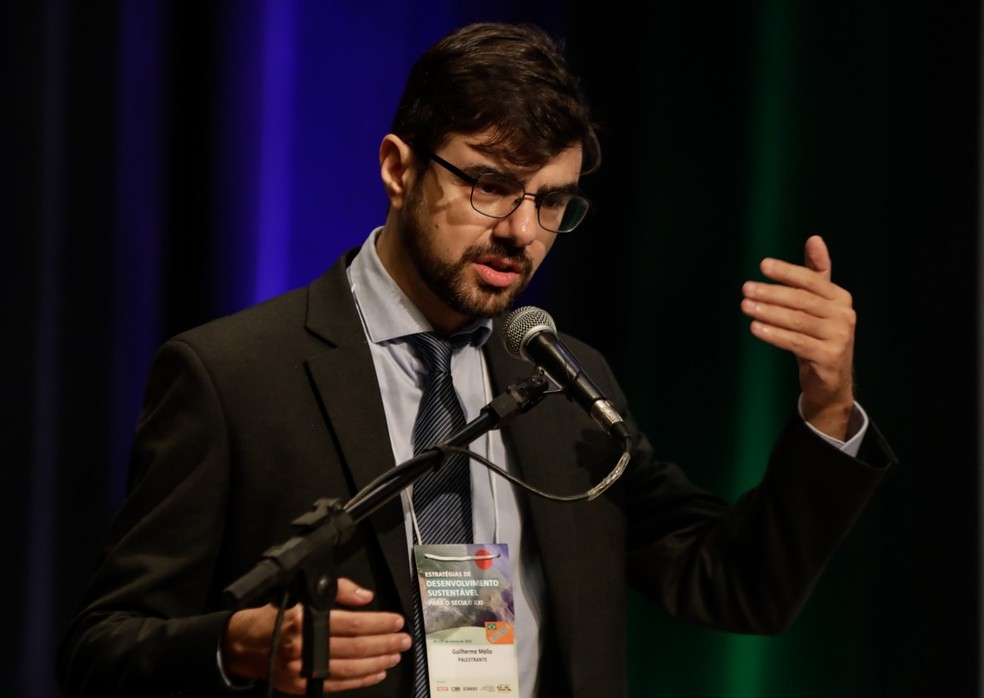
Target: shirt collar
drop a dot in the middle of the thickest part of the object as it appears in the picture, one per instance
(387, 312)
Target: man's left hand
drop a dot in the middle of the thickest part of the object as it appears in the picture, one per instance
(807, 314)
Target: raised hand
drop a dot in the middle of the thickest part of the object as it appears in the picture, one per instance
(806, 313)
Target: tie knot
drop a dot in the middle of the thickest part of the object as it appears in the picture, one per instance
(435, 351)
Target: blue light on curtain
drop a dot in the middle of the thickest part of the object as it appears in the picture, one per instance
(308, 92)
(276, 149)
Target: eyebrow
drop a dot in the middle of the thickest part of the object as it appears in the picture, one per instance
(477, 169)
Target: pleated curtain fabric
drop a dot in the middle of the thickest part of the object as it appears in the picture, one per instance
(441, 498)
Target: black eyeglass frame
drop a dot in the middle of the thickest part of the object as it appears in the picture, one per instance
(537, 198)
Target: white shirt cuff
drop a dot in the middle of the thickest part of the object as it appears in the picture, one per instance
(857, 425)
(225, 677)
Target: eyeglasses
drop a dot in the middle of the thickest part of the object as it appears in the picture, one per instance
(497, 196)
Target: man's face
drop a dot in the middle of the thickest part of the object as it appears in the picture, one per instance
(461, 264)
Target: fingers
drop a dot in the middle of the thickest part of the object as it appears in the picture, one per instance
(351, 594)
(364, 623)
(781, 310)
(820, 341)
(814, 281)
(804, 312)
(802, 305)
(363, 645)
(337, 685)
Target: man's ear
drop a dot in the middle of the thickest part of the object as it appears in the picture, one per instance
(396, 169)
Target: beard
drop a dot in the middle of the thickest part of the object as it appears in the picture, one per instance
(449, 280)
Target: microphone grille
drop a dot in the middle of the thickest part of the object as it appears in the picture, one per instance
(519, 325)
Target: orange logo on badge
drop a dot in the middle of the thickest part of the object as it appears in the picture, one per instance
(484, 559)
(499, 632)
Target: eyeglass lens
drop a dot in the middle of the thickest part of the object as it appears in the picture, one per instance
(498, 196)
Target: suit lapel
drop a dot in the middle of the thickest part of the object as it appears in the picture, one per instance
(345, 379)
(555, 526)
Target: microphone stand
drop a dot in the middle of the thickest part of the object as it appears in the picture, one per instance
(305, 562)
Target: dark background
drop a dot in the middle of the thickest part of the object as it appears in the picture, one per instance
(150, 182)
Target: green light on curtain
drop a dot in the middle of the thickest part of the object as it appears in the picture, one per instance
(761, 391)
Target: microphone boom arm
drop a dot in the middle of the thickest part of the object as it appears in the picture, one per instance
(330, 521)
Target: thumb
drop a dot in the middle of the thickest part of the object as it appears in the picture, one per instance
(351, 594)
(817, 256)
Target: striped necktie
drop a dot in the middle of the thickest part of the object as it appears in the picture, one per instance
(441, 498)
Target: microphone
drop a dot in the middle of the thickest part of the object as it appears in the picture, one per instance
(530, 333)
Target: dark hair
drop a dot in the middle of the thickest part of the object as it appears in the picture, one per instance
(509, 79)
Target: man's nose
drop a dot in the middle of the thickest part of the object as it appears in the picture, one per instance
(522, 225)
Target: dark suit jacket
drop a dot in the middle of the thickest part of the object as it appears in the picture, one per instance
(251, 418)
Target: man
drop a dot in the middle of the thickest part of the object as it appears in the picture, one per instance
(250, 418)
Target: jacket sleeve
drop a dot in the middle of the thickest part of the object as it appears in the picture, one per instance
(149, 624)
(749, 566)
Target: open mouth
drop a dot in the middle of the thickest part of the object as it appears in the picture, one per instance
(499, 264)
(499, 272)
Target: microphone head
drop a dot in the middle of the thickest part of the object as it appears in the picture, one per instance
(522, 324)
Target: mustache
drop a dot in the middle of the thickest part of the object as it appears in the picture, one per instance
(502, 250)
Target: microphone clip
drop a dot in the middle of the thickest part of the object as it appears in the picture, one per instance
(519, 398)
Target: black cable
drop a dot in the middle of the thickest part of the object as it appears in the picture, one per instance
(274, 641)
(605, 483)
